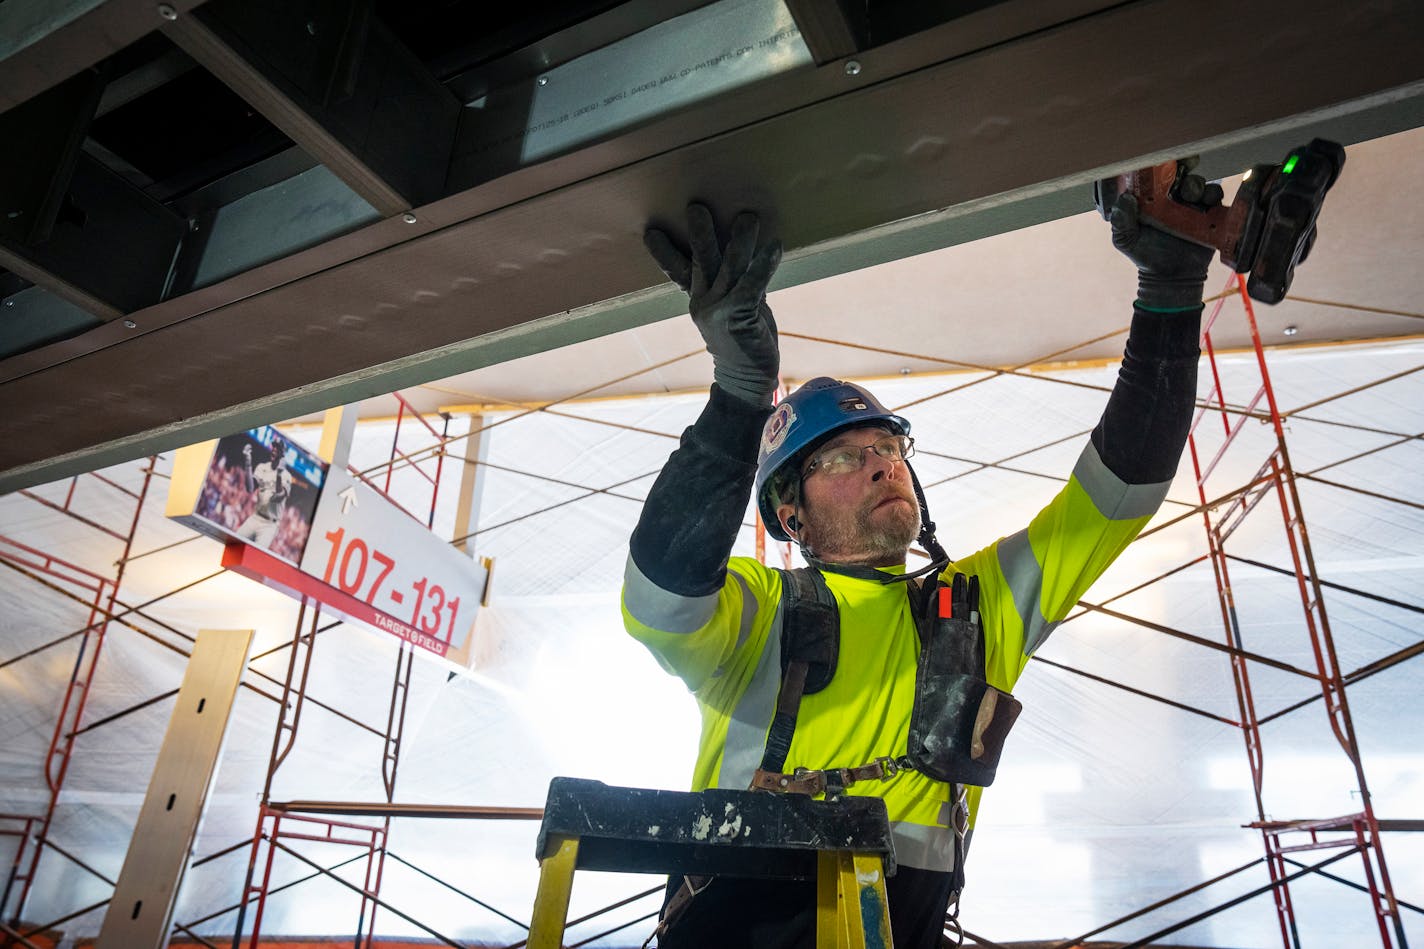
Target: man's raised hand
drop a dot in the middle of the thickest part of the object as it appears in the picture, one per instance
(726, 287)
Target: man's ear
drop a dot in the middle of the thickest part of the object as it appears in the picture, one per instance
(786, 514)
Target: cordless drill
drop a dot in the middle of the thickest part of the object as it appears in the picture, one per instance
(1267, 230)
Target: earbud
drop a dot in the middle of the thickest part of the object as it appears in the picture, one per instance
(792, 524)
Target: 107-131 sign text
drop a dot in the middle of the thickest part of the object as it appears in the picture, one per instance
(360, 569)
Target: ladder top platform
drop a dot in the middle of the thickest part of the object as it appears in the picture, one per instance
(712, 832)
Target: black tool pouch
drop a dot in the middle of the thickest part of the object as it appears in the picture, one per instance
(959, 721)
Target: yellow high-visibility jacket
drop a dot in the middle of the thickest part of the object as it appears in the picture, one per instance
(724, 641)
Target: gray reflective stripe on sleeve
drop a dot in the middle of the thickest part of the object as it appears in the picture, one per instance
(656, 608)
(746, 730)
(1025, 578)
(1114, 498)
(921, 847)
(749, 610)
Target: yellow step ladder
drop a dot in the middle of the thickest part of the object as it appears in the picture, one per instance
(844, 845)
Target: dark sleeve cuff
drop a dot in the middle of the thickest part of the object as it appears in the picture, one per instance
(695, 508)
(1149, 413)
(729, 426)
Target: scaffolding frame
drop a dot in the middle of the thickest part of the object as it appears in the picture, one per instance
(100, 594)
(1277, 476)
(373, 839)
(1238, 502)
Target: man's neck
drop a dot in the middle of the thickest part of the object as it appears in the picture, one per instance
(866, 560)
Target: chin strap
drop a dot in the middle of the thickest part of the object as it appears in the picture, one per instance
(938, 558)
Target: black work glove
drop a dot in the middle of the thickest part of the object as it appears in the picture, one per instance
(1171, 271)
(727, 299)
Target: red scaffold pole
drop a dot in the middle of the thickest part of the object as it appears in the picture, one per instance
(1278, 474)
(76, 696)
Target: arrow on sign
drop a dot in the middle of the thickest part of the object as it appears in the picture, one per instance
(348, 498)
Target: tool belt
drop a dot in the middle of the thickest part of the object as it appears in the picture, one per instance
(829, 782)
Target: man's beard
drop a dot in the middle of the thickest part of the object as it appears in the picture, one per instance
(878, 538)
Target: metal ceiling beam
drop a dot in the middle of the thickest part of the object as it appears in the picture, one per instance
(995, 121)
(339, 85)
(832, 29)
(62, 213)
(44, 42)
(485, 185)
(78, 263)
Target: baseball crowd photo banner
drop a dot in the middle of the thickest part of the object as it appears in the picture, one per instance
(296, 524)
(254, 486)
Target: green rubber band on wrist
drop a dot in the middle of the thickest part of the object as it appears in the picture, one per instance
(1168, 309)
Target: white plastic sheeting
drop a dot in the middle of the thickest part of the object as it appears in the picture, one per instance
(1107, 800)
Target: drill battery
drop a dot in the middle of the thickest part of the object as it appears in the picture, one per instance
(1267, 230)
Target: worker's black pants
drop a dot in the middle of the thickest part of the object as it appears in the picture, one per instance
(781, 914)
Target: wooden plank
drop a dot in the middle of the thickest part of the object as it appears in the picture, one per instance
(141, 910)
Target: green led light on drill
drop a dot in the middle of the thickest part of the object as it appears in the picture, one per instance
(1290, 164)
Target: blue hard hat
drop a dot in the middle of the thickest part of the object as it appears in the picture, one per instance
(804, 419)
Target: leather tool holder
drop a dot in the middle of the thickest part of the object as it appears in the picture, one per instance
(959, 721)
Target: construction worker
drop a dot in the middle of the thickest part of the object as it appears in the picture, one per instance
(830, 468)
